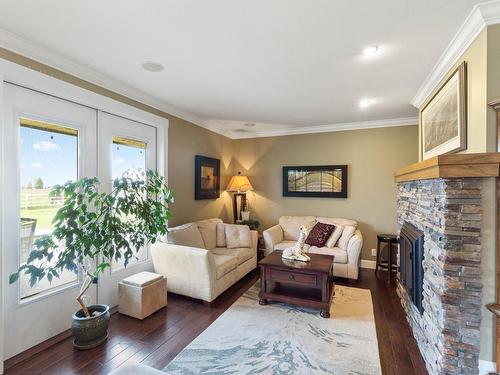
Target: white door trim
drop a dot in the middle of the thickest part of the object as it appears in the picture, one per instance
(2, 148)
(22, 76)
(110, 126)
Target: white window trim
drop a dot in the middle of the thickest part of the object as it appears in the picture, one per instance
(2, 160)
(22, 76)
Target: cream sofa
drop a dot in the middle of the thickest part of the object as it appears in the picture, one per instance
(345, 242)
(203, 259)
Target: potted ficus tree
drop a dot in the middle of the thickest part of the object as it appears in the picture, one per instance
(91, 230)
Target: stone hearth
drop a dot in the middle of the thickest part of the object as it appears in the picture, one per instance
(449, 212)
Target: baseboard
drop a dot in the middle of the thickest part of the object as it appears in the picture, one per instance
(487, 367)
(370, 264)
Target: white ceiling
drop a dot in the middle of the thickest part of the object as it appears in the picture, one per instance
(291, 63)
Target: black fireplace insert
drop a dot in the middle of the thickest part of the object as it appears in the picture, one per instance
(411, 255)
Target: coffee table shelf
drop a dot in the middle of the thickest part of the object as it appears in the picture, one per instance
(306, 284)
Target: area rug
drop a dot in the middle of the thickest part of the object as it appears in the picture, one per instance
(283, 339)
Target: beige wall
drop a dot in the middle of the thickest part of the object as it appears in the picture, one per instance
(185, 141)
(489, 201)
(372, 156)
(493, 87)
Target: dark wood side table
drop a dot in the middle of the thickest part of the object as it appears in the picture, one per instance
(390, 240)
(308, 284)
(261, 247)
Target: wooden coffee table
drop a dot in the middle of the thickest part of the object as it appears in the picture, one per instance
(308, 284)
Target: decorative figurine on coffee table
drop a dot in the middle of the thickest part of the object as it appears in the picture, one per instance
(297, 251)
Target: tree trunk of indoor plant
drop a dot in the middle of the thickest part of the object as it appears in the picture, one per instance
(90, 323)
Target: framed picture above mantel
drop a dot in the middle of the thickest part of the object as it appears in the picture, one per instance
(319, 181)
(443, 118)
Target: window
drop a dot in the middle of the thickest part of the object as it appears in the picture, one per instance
(49, 156)
(128, 158)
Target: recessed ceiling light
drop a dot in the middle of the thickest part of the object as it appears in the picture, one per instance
(249, 124)
(370, 50)
(152, 66)
(365, 103)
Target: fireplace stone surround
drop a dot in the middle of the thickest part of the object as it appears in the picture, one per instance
(455, 200)
(449, 212)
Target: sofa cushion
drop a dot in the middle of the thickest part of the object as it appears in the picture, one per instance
(237, 236)
(186, 235)
(208, 230)
(221, 235)
(241, 253)
(339, 254)
(319, 234)
(339, 223)
(347, 233)
(286, 244)
(224, 264)
(334, 237)
(291, 225)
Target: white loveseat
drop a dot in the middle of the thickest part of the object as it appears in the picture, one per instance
(344, 244)
(203, 259)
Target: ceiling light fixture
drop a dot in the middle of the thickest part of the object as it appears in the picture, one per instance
(249, 124)
(152, 66)
(365, 103)
(370, 50)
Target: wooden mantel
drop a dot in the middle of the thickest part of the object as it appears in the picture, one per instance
(452, 166)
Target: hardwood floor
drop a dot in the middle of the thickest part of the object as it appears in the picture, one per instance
(156, 340)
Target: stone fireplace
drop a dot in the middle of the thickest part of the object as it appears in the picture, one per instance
(447, 208)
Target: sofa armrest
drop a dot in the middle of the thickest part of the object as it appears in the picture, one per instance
(255, 240)
(189, 271)
(272, 236)
(353, 254)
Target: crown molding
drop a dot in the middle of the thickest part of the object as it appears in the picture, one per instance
(235, 134)
(481, 16)
(21, 46)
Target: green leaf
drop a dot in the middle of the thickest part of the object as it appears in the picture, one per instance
(13, 277)
(98, 225)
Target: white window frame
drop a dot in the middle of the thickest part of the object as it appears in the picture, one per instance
(82, 131)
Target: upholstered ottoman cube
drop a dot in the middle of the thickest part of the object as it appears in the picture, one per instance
(142, 294)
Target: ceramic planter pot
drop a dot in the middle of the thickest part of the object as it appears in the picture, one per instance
(88, 332)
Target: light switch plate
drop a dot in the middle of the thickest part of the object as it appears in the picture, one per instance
(374, 252)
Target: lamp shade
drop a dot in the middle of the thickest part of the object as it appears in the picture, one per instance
(239, 183)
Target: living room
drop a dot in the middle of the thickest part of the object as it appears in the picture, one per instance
(265, 187)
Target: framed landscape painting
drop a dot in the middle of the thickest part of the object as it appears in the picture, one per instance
(206, 178)
(325, 181)
(443, 119)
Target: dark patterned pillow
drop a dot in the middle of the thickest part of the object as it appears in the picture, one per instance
(319, 234)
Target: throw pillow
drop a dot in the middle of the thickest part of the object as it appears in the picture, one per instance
(334, 237)
(208, 230)
(186, 235)
(319, 234)
(221, 235)
(347, 233)
(237, 236)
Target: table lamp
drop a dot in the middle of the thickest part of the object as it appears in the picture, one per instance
(239, 185)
